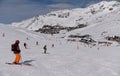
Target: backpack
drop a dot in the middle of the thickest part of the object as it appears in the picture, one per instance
(13, 48)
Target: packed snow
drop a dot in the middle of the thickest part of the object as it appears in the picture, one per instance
(64, 59)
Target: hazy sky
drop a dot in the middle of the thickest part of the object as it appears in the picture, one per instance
(18, 10)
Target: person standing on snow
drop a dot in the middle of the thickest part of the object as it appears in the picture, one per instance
(45, 49)
(25, 45)
(16, 50)
(3, 35)
(36, 42)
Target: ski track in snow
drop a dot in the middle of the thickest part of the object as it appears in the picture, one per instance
(29, 34)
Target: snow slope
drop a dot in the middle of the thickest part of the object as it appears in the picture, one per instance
(65, 59)
(93, 14)
(110, 24)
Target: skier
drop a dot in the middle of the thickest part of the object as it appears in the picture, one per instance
(45, 49)
(27, 38)
(25, 45)
(36, 42)
(16, 50)
(3, 35)
(52, 45)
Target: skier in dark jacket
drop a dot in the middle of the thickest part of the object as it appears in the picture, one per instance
(17, 52)
(45, 48)
(36, 42)
(25, 45)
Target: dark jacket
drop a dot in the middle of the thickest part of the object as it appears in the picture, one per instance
(45, 47)
(17, 49)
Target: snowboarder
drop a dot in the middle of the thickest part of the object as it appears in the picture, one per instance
(16, 50)
(25, 45)
(45, 49)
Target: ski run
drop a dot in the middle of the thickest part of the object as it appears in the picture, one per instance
(66, 58)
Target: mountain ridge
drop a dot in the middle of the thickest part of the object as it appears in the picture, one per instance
(100, 13)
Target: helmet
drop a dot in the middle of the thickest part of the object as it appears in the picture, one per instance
(17, 41)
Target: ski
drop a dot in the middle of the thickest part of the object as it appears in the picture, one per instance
(27, 64)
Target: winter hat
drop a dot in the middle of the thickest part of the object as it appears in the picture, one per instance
(17, 41)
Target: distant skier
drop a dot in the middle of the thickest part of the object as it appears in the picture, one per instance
(36, 42)
(27, 38)
(3, 35)
(53, 45)
(45, 49)
(16, 50)
(25, 45)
